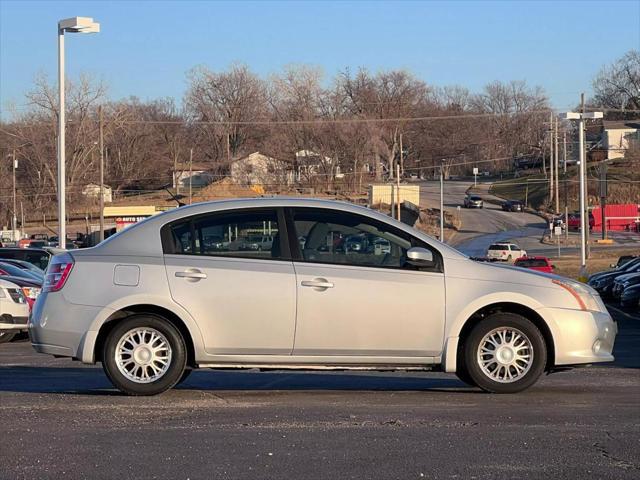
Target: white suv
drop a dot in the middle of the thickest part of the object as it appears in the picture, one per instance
(507, 252)
(153, 302)
(14, 310)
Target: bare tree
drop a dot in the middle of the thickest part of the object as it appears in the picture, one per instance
(618, 85)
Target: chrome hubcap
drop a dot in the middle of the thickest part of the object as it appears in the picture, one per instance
(143, 355)
(505, 354)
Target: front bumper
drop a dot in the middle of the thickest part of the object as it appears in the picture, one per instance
(581, 337)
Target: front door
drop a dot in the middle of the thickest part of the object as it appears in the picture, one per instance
(227, 270)
(356, 293)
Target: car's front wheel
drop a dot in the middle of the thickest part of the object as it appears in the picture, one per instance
(505, 353)
(144, 355)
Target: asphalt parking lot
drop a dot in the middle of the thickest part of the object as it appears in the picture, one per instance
(60, 419)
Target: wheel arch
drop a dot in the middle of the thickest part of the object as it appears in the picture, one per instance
(508, 307)
(116, 317)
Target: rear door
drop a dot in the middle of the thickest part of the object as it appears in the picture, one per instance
(243, 298)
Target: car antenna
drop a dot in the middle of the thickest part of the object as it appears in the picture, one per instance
(176, 198)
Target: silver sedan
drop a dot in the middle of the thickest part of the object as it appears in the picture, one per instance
(154, 301)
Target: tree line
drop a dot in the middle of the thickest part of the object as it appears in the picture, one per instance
(367, 123)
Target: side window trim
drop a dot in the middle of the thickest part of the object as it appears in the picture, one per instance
(168, 244)
(296, 253)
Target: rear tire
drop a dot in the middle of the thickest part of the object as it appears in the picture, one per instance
(505, 353)
(6, 336)
(144, 355)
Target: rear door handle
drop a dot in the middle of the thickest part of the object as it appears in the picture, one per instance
(193, 275)
(319, 283)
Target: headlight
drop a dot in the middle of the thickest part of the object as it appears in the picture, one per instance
(586, 297)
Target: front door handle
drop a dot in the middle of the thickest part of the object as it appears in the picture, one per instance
(192, 274)
(317, 283)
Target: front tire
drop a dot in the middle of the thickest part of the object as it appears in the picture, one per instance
(6, 336)
(505, 353)
(144, 355)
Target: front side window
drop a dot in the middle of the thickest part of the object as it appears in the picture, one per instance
(334, 237)
(252, 234)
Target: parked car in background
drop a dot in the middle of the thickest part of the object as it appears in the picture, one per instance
(603, 281)
(21, 264)
(623, 259)
(505, 252)
(151, 303)
(513, 206)
(31, 288)
(38, 257)
(622, 282)
(257, 243)
(541, 264)
(14, 310)
(8, 269)
(574, 221)
(630, 297)
(472, 201)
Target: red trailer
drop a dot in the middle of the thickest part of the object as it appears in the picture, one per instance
(619, 217)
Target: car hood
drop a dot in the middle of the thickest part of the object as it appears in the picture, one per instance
(628, 276)
(486, 271)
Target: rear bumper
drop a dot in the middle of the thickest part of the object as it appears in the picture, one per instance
(58, 327)
(10, 322)
(581, 337)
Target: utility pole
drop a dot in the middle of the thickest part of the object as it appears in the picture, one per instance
(190, 173)
(398, 191)
(401, 157)
(583, 238)
(14, 165)
(603, 198)
(101, 234)
(585, 212)
(564, 178)
(555, 137)
(551, 161)
(442, 201)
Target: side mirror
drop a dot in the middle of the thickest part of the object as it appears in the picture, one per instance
(420, 257)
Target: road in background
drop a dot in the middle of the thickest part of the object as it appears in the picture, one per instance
(482, 227)
(60, 419)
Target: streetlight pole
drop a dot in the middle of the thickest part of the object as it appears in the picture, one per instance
(442, 201)
(581, 156)
(14, 165)
(72, 25)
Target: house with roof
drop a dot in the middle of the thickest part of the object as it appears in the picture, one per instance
(260, 169)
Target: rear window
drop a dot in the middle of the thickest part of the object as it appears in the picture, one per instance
(498, 247)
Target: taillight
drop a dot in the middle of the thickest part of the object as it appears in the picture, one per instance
(57, 272)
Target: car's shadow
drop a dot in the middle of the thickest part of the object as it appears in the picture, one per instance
(92, 381)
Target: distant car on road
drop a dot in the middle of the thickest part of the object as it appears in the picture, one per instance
(257, 243)
(541, 264)
(505, 251)
(472, 201)
(513, 206)
(152, 303)
(574, 221)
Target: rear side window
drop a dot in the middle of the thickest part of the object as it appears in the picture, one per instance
(247, 234)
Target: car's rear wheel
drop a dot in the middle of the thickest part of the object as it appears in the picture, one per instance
(144, 355)
(6, 336)
(505, 353)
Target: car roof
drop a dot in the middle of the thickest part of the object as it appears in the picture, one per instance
(143, 238)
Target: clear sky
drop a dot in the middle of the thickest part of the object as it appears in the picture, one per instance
(145, 48)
